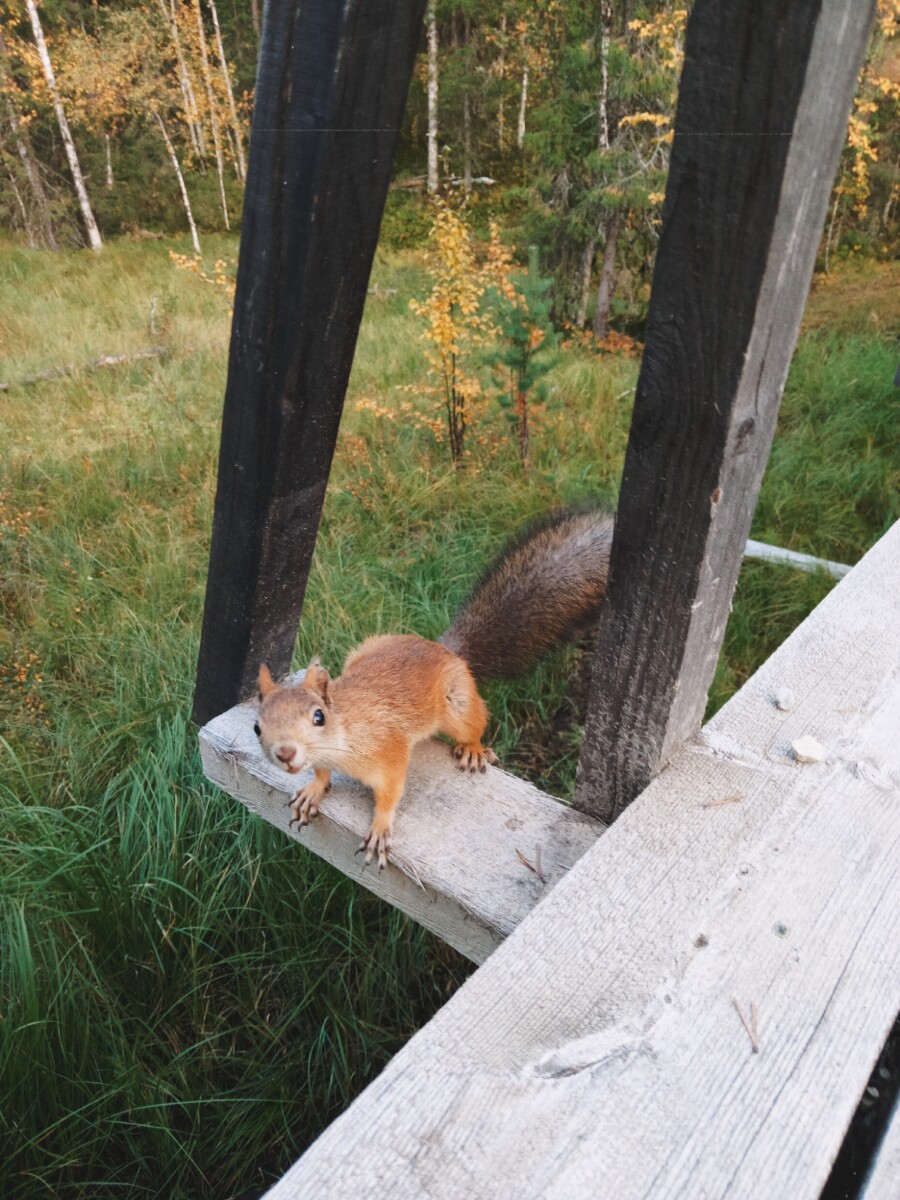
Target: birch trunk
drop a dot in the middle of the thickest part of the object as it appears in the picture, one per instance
(173, 158)
(587, 267)
(235, 123)
(467, 145)
(23, 211)
(189, 100)
(33, 176)
(607, 270)
(213, 119)
(110, 181)
(467, 111)
(30, 166)
(607, 276)
(432, 135)
(501, 73)
(602, 109)
(520, 132)
(87, 214)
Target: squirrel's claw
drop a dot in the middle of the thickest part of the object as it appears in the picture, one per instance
(305, 804)
(474, 758)
(375, 843)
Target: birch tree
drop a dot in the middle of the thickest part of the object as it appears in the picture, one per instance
(121, 72)
(189, 101)
(432, 135)
(30, 168)
(213, 118)
(237, 132)
(87, 214)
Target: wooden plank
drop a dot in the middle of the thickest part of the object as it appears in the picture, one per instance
(883, 1182)
(455, 864)
(330, 94)
(599, 1050)
(762, 113)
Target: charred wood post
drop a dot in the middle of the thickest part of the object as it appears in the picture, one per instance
(762, 113)
(331, 89)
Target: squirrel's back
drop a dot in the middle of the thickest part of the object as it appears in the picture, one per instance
(545, 588)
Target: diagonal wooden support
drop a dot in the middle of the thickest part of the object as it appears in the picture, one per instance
(331, 89)
(762, 113)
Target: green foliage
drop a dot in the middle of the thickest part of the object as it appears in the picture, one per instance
(405, 223)
(524, 349)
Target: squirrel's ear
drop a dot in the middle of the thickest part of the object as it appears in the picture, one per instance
(267, 684)
(317, 678)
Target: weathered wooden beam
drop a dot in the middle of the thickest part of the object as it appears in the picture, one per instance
(762, 113)
(883, 1182)
(599, 1051)
(471, 854)
(331, 89)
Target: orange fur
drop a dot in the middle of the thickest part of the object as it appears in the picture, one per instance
(395, 691)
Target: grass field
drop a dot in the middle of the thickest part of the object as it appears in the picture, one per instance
(186, 998)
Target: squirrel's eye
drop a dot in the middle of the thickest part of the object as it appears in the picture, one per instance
(318, 717)
(256, 728)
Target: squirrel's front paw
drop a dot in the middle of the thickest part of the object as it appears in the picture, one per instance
(377, 841)
(305, 804)
(472, 757)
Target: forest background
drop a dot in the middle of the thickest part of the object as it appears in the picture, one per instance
(186, 998)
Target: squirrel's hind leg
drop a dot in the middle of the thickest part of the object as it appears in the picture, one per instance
(465, 720)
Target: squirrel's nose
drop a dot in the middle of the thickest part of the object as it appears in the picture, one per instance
(285, 753)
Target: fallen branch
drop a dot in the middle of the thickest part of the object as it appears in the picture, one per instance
(107, 360)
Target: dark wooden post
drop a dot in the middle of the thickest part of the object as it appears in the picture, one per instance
(331, 90)
(762, 113)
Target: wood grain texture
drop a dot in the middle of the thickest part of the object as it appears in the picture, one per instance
(455, 864)
(599, 1050)
(331, 89)
(762, 113)
(883, 1182)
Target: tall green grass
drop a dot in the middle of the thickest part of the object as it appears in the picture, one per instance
(187, 998)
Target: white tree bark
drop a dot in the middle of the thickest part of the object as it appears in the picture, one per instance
(189, 100)
(607, 270)
(432, 99)
(467, 113)
(602, 111)
(29, 163)
(110, 181)
(213, 119)
(587, 267)
(235, 123)
(87, 213)
(23, 211)
(173, 157)
(33, 175)
(520, 132)
(501, 75)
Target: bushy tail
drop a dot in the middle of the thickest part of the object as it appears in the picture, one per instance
(545, 588)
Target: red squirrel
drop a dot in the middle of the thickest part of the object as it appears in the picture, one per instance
(396, 690)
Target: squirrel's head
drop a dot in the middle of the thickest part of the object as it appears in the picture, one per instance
(293, 722)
